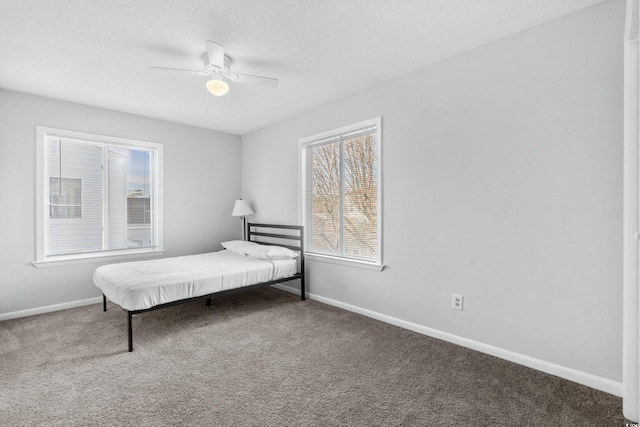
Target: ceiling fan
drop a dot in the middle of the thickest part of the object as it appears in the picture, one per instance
(217, 65)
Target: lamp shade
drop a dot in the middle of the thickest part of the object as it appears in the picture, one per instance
(241, 208)
(217, 87)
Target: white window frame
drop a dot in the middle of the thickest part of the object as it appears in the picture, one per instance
(304, 180)
(42, 259)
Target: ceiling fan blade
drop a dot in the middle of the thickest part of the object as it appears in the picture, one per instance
(256, 80)
(215, 52)
(179, 70)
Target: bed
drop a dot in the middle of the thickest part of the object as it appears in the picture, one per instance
(271, 254)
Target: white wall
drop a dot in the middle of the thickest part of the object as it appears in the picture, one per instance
(202, 181)
(502, 182)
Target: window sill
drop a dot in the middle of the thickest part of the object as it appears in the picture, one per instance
(99, 257)
(344, 261)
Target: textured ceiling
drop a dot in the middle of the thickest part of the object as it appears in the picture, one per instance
(99, 52)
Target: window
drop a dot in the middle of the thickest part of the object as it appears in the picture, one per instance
(138, 210)
(96, 196)
(341, 193)
(64, 197)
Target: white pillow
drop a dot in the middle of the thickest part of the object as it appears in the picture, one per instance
(238, 246)
(269, 252)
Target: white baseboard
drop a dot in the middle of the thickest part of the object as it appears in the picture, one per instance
(48, 308)
(590, 380)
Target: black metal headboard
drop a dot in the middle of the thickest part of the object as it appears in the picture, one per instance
(275, 234)
(266, 235)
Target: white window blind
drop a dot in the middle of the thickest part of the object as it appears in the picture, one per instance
(341, 192)
(97, 195)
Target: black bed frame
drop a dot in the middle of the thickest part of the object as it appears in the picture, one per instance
(252, 233)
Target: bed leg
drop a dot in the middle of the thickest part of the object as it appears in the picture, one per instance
(104, 303)
(302, 289)
(208, 302)
(130, 331)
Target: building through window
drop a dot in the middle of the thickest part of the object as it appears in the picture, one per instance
(96, 194)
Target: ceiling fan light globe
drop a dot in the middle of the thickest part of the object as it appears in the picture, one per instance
(217, 87)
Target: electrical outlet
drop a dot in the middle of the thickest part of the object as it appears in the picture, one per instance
(456, 302)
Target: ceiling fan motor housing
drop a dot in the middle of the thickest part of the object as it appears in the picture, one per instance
(211, 69)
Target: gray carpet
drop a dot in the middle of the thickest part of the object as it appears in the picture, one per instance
(265, 358)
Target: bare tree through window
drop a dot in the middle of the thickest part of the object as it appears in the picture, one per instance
(344, 191)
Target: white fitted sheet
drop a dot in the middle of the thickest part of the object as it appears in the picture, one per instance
(140, 285)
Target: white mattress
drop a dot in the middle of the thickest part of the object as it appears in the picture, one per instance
(143, 284)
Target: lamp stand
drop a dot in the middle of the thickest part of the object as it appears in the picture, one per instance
(244, 227)
(242, 209)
